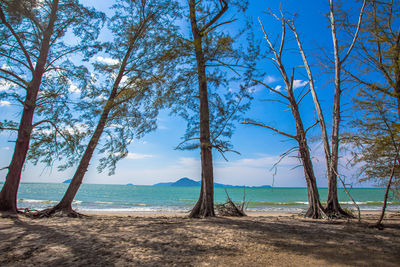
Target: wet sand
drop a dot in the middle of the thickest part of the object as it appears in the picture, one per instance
(262, 239)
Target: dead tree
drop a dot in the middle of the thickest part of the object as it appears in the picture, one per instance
(333, 208)
(331, 151)
(315, 209)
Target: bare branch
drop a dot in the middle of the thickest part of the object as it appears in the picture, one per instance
(271, 128)
(270, 88)
(356, 33)
(309, 128)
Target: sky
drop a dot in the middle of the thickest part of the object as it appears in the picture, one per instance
(153, 158)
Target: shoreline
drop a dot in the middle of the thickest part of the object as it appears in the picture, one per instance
(249, 214)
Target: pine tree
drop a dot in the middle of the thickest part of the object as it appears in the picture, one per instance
(34, 64)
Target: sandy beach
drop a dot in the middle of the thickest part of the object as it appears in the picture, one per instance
(270, 239)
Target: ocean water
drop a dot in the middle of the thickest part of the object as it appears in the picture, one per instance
(123, 198)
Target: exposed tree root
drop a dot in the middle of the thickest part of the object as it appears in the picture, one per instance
(315, 213)
(56, 212)
(201, 212)
(338, 213)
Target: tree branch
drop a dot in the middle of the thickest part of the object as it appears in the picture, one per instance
(270, 88)
(216, 26)
(57, 130)
(213, 20)
(271, 128)
(315, 123)
(187, 140)
(17, 83)
(3, 20)
(14, 75)
(356, 33)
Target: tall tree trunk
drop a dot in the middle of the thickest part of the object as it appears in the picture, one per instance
(315, 209)
(333, 208)
(8, 194)
(205, 205)
(65, 205)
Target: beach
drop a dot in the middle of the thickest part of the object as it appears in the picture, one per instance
(168, 239)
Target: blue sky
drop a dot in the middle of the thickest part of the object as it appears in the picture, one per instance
(153, 158)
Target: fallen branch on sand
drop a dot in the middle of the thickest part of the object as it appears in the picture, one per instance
(229, 208)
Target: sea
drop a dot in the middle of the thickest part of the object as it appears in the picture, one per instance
(139, 198)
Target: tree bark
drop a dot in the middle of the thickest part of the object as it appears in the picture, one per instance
(333, 208)
(205, 205)
(8, 194)
(65, 205)
(315, 209)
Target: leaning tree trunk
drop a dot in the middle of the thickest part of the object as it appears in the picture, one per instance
(315, 209)
(205, 205)
(8, 194)
(65, 205)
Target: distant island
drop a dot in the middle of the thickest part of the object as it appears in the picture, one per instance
(189, 182)
(129, 184)
(67, 181)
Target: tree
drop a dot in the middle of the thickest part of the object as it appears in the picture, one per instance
(375, 140)
(212, 111)
(333, 208)
(376, 71)
(331, 151)
(143, 38)
(315, 209)
(32, 48)
(377, 64)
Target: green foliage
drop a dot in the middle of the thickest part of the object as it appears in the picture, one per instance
(22, 41)
(376, 70)
(229, 68)
(376, 137)
(144, 38)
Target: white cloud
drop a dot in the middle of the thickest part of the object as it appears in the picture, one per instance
(107, 60)
(270, 79)
(73, 89)
(139, 156)
(6, 67)
(299, 83)
(253, 89)
(4, 103)
(278, 88)
(265, 161)
(267, 80)
(6, 85)
(189, 162)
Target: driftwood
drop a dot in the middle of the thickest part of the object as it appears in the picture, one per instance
(229, 208)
